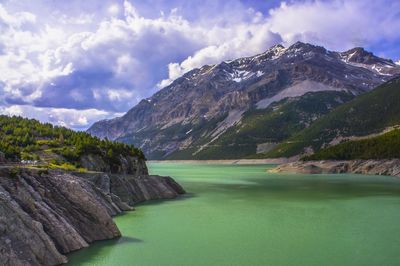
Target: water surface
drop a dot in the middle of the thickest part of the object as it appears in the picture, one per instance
(241, 215)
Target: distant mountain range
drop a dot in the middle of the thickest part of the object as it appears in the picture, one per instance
(247, 107)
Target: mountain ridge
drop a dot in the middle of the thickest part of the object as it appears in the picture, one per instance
(214, 98)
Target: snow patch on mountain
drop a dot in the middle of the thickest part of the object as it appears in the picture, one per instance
(273, 53)
(379, 68)
(240, 75)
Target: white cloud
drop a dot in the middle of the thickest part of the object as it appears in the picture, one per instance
(110, 60)
(114, 9)
(119, 95)
(336, 24)
(78, 119)
(244, 41)
(17, 19)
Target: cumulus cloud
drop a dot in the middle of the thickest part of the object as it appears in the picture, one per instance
(245, 41)
(72, 118)
(337, 24)
(109, 69)
(59, 61)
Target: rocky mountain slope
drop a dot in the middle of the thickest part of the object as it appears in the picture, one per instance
(260, 130)
(187, 117)
(365, 117)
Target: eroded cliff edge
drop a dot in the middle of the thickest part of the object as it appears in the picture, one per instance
(44, 214)
(369, 167)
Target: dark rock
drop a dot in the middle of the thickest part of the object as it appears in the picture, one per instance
(133, 189)
(45, 215)
(128, 165)
(2, 157)
(23, 240)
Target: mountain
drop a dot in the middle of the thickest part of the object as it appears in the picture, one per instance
(260, 130)
(193, 116)
(368, 115)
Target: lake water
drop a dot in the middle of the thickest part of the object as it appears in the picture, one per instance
(241, 215)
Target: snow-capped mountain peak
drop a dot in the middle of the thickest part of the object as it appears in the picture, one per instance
(361, 58)
(223, 92)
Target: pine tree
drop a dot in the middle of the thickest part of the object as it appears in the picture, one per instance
(61, 138)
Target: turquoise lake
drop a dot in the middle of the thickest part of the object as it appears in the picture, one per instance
(242, 215)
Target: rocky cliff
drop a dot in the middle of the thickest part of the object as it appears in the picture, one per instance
(186, 118)
(45, 214)
(134, 189)
(371, 167)
(131, 165)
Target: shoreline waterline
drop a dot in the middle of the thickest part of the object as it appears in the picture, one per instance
(230, 161)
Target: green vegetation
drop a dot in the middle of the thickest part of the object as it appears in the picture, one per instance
(367, 114)
(28, 139)
(385, 146)
(65, 166)
(271, 125)
(177, 133)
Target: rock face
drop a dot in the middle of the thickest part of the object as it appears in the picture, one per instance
(134, 189)
(132, 184)
(2, 157)
(371, 167)
(47, 213)
(44, 215)
(199, 107)
(128, 165)
(22, 239)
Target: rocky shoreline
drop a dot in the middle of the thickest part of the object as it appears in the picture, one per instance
(369, 167)
(233, 161)
(45, 214)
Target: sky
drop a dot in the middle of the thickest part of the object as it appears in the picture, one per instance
(75, 62)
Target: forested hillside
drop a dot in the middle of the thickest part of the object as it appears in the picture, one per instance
(262, 129)
(386, 146)
(367, 114)
(28, 139)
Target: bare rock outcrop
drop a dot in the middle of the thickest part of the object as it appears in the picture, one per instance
(45, 214)
(132, 183)
(134, 189)
(370, 167)
(23, 240)
(127, 165)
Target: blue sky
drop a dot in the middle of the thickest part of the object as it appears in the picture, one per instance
(75, 62)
